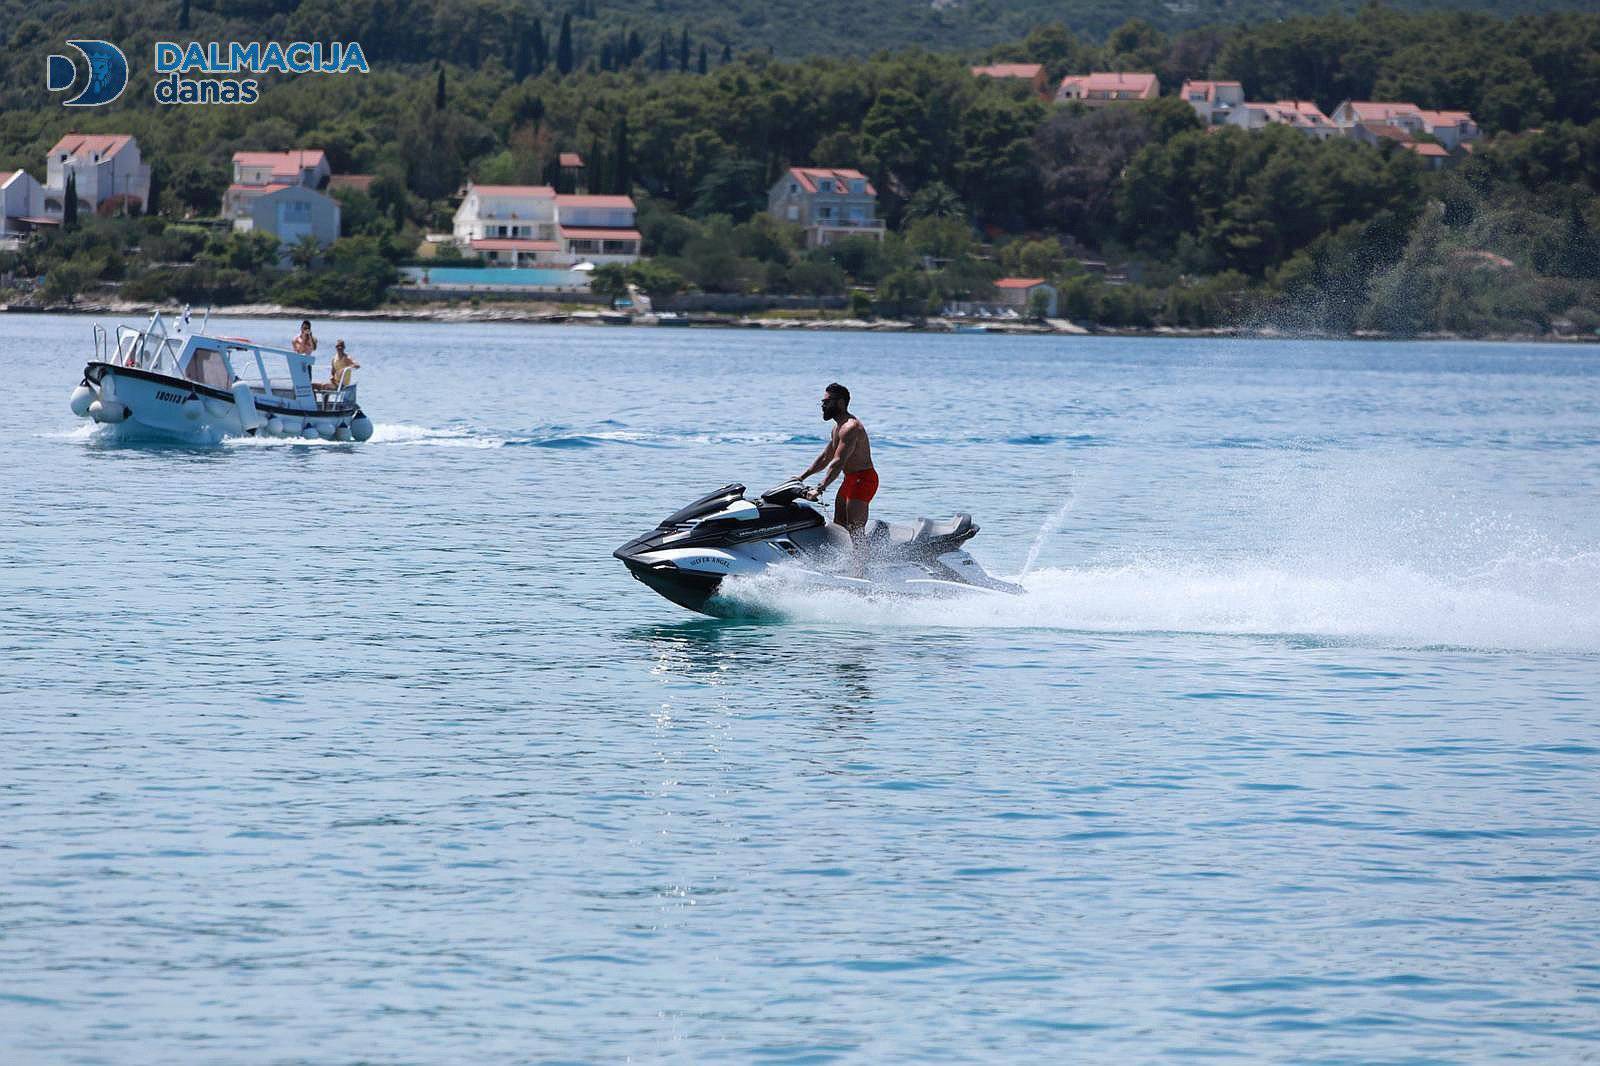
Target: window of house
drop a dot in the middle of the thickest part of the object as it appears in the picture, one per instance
(824, 185)
(858, 186)
(825, 213)
(794, 213)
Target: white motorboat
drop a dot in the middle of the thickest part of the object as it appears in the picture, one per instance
(168, 382)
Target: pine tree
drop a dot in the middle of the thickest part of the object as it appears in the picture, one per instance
(683, 51)
(541, 48)
(702, 58)
(564, 45)
(438, 92)
(69, 210)
(183, 16)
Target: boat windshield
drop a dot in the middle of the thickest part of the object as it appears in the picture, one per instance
(207, 368)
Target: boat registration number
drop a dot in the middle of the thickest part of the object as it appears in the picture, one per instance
(171, 397)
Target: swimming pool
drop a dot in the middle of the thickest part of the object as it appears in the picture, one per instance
(532, 277)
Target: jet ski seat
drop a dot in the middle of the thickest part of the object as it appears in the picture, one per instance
(921, 533)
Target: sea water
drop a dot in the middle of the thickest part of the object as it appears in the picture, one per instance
(322, 752)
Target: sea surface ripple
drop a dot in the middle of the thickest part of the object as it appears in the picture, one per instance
(338, 753)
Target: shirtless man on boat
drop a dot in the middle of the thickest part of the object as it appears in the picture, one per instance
(848, 452)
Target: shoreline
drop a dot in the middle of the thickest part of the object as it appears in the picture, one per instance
(548, 313)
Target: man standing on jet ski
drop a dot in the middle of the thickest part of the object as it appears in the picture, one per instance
(848, 451)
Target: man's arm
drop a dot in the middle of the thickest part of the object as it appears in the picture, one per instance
(820, 461)
(849, 440)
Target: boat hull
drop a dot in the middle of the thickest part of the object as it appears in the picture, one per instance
(142, 404)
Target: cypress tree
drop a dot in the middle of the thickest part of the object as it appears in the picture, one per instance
(683, 51)
(564, 45)
(635, 46)
(702, 58)
(153, 202)
(438, 91)
(69, 210)
(522, 62)
(661, 55)
(183, 16)
(541, 48)
(621, 166)
(595, 168)
(605, 56)
(727, 54)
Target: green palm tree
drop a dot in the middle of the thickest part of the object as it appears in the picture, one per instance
(305, 251)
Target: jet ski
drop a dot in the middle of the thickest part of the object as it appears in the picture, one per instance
(723, 534)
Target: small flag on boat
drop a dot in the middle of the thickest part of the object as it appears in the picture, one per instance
(183, 323)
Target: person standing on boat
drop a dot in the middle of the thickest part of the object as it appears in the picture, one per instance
(848, 452)
(304, 342)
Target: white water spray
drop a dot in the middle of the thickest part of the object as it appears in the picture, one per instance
(1050, 527)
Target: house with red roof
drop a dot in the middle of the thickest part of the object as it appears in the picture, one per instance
(827, 203)
(1374, 122)
(1213, 101)
(1302, 115)
(1032, 73)
(110, 176)
(1102, 88)
(534, 226)
(283, 194)
(1018, 293)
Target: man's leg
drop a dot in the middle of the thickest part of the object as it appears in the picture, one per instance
(855, 517)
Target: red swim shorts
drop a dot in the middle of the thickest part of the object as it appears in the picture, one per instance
(862, 485)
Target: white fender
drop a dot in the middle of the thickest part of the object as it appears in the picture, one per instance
(342, 433)
(109, 411)
(310, 432)
(326, 430)
(274, 426)
(82, 397)
(361, 428)
(245, 401)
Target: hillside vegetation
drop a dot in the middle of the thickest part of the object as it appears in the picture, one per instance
(1220, 226)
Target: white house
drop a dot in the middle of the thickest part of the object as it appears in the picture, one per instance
(1303, 115)
(1102, 88)
(534, 226)
(1213, 101)
(1451, 128)
(22, 205)
(1353, 113)
(299, 166)
(107, 168)
(599, 229)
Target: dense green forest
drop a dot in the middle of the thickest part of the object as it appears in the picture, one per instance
(468, 32)
(974, 176)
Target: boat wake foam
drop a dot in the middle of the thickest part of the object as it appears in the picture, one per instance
(1549, 604)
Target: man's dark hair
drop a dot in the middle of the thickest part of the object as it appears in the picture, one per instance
(839, 392)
